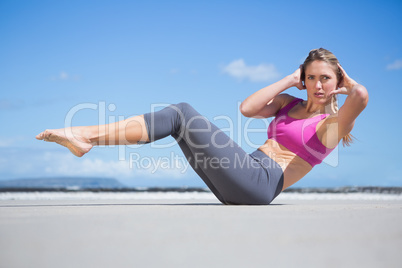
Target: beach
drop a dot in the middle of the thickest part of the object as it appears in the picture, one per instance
(195, 230)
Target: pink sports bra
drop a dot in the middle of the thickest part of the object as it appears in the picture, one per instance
(299, 135)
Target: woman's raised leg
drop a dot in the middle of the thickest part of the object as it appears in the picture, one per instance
(80, 140)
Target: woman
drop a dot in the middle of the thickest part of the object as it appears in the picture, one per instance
(302, 134)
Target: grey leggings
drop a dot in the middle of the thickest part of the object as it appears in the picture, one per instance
(234, 176)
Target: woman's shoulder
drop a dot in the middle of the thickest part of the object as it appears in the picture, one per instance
(279, 104)
(286, 99)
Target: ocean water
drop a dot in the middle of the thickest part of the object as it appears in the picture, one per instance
(184, 196)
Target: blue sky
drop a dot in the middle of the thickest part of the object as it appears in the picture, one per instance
(108, 60)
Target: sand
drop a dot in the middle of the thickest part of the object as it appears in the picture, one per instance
(200, 233)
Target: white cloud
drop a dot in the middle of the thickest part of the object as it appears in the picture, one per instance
(64, 76)
(10, 141)
(396, 65)
(68, 165)
(11, 104)
(174, 71)
(17, 163)
(260, 73)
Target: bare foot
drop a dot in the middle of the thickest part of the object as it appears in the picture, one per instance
(77, 144)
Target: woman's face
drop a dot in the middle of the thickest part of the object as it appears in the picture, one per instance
(320, 80)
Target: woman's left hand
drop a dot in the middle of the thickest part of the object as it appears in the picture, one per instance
(345, 85)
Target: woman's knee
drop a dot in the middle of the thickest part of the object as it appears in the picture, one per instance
(185, 113)
(184, 107)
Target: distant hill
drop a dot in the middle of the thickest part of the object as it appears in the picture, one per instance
(67, 183)
(110, 184)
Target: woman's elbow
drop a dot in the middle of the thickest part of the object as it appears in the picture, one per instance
(246, 110)
(363, 95)
(360, 93)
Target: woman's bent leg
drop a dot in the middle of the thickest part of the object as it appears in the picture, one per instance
(189, 156)
(232, 174)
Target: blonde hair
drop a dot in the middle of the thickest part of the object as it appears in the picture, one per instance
(328, 57)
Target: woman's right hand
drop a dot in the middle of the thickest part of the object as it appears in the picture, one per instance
(267, 101)
(296, 76)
